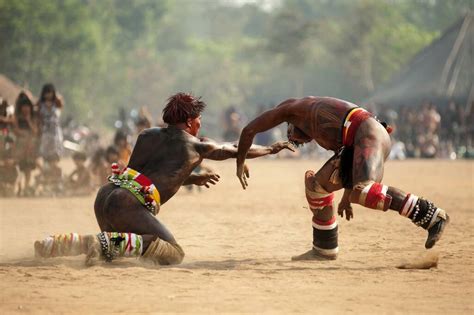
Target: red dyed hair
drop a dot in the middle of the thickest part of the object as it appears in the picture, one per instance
(181, 107)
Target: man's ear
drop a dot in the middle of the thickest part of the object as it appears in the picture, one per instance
(188, 123)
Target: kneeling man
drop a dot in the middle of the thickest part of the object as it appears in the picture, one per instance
(162, 161)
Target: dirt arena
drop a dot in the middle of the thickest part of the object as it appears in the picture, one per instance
(238, 246)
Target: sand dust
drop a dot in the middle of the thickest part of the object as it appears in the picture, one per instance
(424, 261)
(238, 248)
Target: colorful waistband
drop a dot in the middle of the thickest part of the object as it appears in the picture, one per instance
(139, 185)
(352, 122)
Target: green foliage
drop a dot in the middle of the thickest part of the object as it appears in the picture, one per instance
(106, 54)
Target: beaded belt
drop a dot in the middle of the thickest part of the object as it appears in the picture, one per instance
(139, 185)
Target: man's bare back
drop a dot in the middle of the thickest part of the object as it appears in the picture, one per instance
(319, 118)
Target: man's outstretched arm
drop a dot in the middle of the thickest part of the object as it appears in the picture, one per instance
(222, 151)
(264, 122)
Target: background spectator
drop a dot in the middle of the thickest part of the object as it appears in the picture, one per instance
(123, 147)
(26, 130)
(49, 107)
(79, 181)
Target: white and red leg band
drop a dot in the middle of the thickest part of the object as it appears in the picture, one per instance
(325, 225)
(408, 205)
(69, 244)
(318, 201)
(375, 196)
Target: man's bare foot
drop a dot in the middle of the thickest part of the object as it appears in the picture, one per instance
(313, 254)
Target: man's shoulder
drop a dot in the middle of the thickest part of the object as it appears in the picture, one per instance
(174, 134)
(151, 131)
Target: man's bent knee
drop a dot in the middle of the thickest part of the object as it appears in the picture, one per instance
(317, 196)
(372, 195)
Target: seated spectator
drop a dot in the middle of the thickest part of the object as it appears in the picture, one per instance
(8, 170)
(123, 148)
(6, 118)
(99, 168)
(101, 164)
(111, 156)
(79, 181)
(50, 180)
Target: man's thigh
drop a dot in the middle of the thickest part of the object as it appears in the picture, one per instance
(368, 161)
(371, 149)
(124, 213)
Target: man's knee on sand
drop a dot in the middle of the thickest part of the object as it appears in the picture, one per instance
(164, 253)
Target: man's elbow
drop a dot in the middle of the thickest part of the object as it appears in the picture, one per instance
(248, 132)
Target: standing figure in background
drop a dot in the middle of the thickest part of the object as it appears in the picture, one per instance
(26, 131)
(428, 128)
(232, 124)
(49, 107)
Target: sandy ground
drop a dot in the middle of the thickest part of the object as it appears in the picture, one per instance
(238, 246)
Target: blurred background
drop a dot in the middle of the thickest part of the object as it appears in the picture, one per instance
(113, 64)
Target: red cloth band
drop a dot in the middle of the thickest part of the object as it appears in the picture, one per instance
(319, 222)
(143, 180)
(355, 120)
(374, 196)
(321, 202)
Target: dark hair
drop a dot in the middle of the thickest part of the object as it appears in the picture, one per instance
(120, 135)
(181, 107)
(79, 156)
(22, 100)
(111, 150)
(48, 88)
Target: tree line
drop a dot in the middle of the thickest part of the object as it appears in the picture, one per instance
(105, 54)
